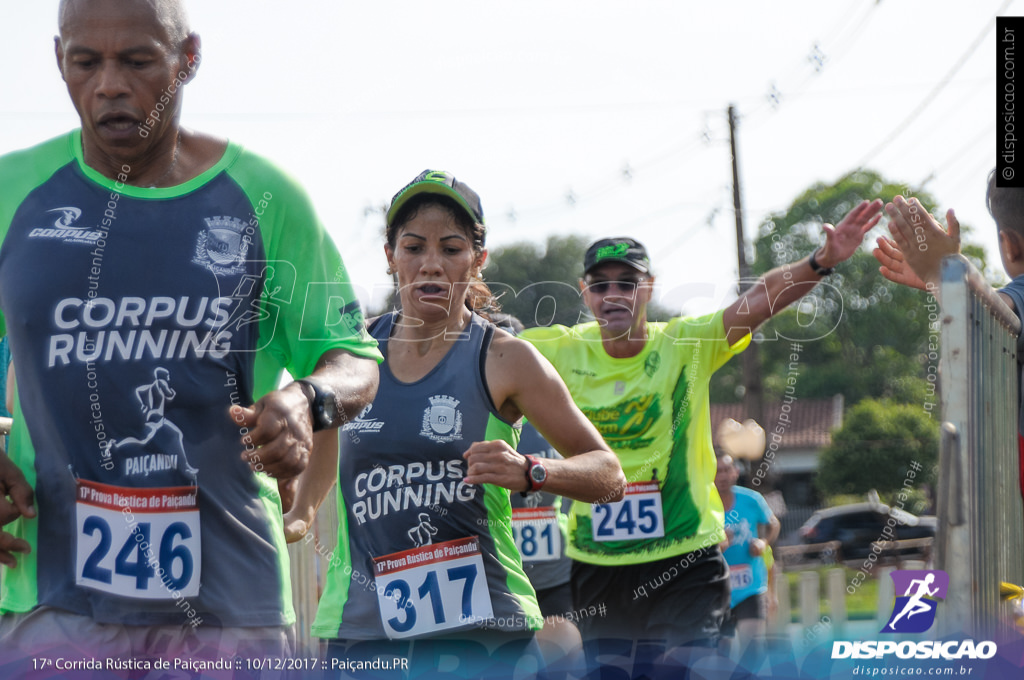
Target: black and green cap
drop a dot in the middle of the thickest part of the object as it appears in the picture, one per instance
(619, 249)
(441, 183)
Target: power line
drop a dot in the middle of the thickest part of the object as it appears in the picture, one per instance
(816, 58)
(928, 99)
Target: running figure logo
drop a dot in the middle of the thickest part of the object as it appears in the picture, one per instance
(161, 447)
(914, 611)
(423, 533)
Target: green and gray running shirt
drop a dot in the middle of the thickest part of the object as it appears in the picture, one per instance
(137, 317)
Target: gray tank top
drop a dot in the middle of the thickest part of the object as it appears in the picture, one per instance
(427, 554)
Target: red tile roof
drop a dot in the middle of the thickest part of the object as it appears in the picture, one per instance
(810, 423)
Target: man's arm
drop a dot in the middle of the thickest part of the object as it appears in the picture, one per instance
(774, 526)
(766, 531)
(786, 284)
(280, 424)
(16, 500)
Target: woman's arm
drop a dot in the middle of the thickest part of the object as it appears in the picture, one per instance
(522, 382)
(313, 484)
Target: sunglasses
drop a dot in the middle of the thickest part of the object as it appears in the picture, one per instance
(627, 286)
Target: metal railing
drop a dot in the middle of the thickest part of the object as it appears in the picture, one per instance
(980, 537)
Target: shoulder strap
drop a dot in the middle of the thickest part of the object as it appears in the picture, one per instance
(485, 345)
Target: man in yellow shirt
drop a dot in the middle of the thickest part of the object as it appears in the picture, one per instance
(651, 562)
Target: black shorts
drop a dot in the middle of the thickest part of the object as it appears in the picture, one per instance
(753, 607)
(680, 600)
(555, 601)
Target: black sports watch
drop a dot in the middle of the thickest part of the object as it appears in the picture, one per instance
(323, 405)
(818, 269)
(536, 475)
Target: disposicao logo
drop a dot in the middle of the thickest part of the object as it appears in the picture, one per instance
(914, 610)
(917, 596)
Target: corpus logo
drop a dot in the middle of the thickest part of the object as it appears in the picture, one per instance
(914, 610)
(66, 228)
(67, 219)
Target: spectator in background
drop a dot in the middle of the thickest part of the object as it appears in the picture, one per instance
(750, 528)
(913, 257)
(6, 379)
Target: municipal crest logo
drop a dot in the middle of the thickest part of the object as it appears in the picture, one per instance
(917, 594)
(442, 420)
(223, 245)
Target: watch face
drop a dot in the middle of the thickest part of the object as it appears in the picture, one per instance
(538, 474)
(328, 410)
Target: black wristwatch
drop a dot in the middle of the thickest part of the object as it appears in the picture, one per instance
(818, 269)
(536, 475)
(323, 406)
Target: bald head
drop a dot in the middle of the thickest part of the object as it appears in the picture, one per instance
(170, 14)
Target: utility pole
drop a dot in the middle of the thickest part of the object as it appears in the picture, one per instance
(753, 404)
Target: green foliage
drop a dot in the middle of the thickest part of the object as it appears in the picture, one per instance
(539, 287)
(857, 334)
(789, 236)
(876, 447)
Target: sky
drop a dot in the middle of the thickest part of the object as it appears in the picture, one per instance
(589, 117)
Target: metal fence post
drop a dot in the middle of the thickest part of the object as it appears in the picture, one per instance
(980, 536)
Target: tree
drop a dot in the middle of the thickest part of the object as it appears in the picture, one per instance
(541, 287)
(537, 286)
(881, 446)
(858, 334)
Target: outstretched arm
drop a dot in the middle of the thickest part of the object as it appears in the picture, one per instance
(894, 266)
(786, 284)
(913, 257)
(920, 238)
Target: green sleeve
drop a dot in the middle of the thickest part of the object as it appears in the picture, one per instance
(20, 173)
(709, 329)
(547, 340)
(309, 306)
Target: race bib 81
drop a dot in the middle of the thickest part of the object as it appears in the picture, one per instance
(537, 534)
